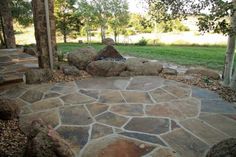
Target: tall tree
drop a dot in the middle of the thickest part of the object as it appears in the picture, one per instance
(7, 24)
(214, 15)
(67, 20)
(119, 16)
(103, 13)
(88, 15)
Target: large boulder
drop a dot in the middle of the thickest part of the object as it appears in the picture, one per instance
(43, 141)
(109, 53)
(137, 66)
(34, 76)
(169, 71)
(225, 148)
(204, 72)
(70, 70)
(9, 109)
(108, 41)
(106, 68)
(82, 57)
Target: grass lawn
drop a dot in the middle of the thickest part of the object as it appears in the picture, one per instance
(206, 56)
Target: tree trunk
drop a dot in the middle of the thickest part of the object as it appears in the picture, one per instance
(103, 33)
(115, 35)
(229, 60)
(233, 80)
(41, 34)
(7, 21)
(64, 37)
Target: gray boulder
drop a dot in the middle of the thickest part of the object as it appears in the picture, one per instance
(43, 141)
(169, 71)
(9, 109)
(70, 70)
(82, 57)
(34, 76)
(137, 66)
(106, 68)
(225, 148)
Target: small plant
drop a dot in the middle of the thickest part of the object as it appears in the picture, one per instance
(207, 80)
(142, 42)
(60, 56)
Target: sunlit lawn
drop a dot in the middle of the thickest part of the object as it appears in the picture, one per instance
(206, 56)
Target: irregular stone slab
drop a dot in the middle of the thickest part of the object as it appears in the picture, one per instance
(217, 106)
(178, 91)
(109, 96)
(111, 119)
(35, 76)
(50, 117)
(128, 109)
(64, 89)
(116, 147)
(40, 87)
(75, 115)
(222, 123)
(97, 108)
(25, 110)
(51, 95)
(164, 152)
(180, 109)
(144, 137)
(32, 96)
(202, 130)
(165, 110)
(145, 83)
(14, 92)
(46, 104)
(204, 93)
(169, 71)
(148, 125)
(137, 97)
(231, 116)
(103, 83)
(77, 137)
(76, 98)
(160, 95)
(99, 130)
(185, 144)
(174, 125)
(92, 93)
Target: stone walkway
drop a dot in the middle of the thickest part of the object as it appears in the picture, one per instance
(129, 117)
(13, 64)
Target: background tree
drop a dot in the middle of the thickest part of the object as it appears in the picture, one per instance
(67, 20)
(22, 12)
(119, 16)
(102, 13)
(213, 16)
(88, 16)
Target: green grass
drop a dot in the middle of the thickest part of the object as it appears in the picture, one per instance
(206, 56)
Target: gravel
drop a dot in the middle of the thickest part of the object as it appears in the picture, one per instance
(12, 139)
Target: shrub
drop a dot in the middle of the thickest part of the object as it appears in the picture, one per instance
(142, 42)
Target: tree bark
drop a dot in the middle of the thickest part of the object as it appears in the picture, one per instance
(115, 35)
(229, 60)
(41, 34)
(233, 80)
(103, 33)
(7, 21)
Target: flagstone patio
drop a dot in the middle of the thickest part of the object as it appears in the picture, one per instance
(129, 117)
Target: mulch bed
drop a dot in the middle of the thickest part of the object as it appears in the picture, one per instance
(12, 139)
(200, 81)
